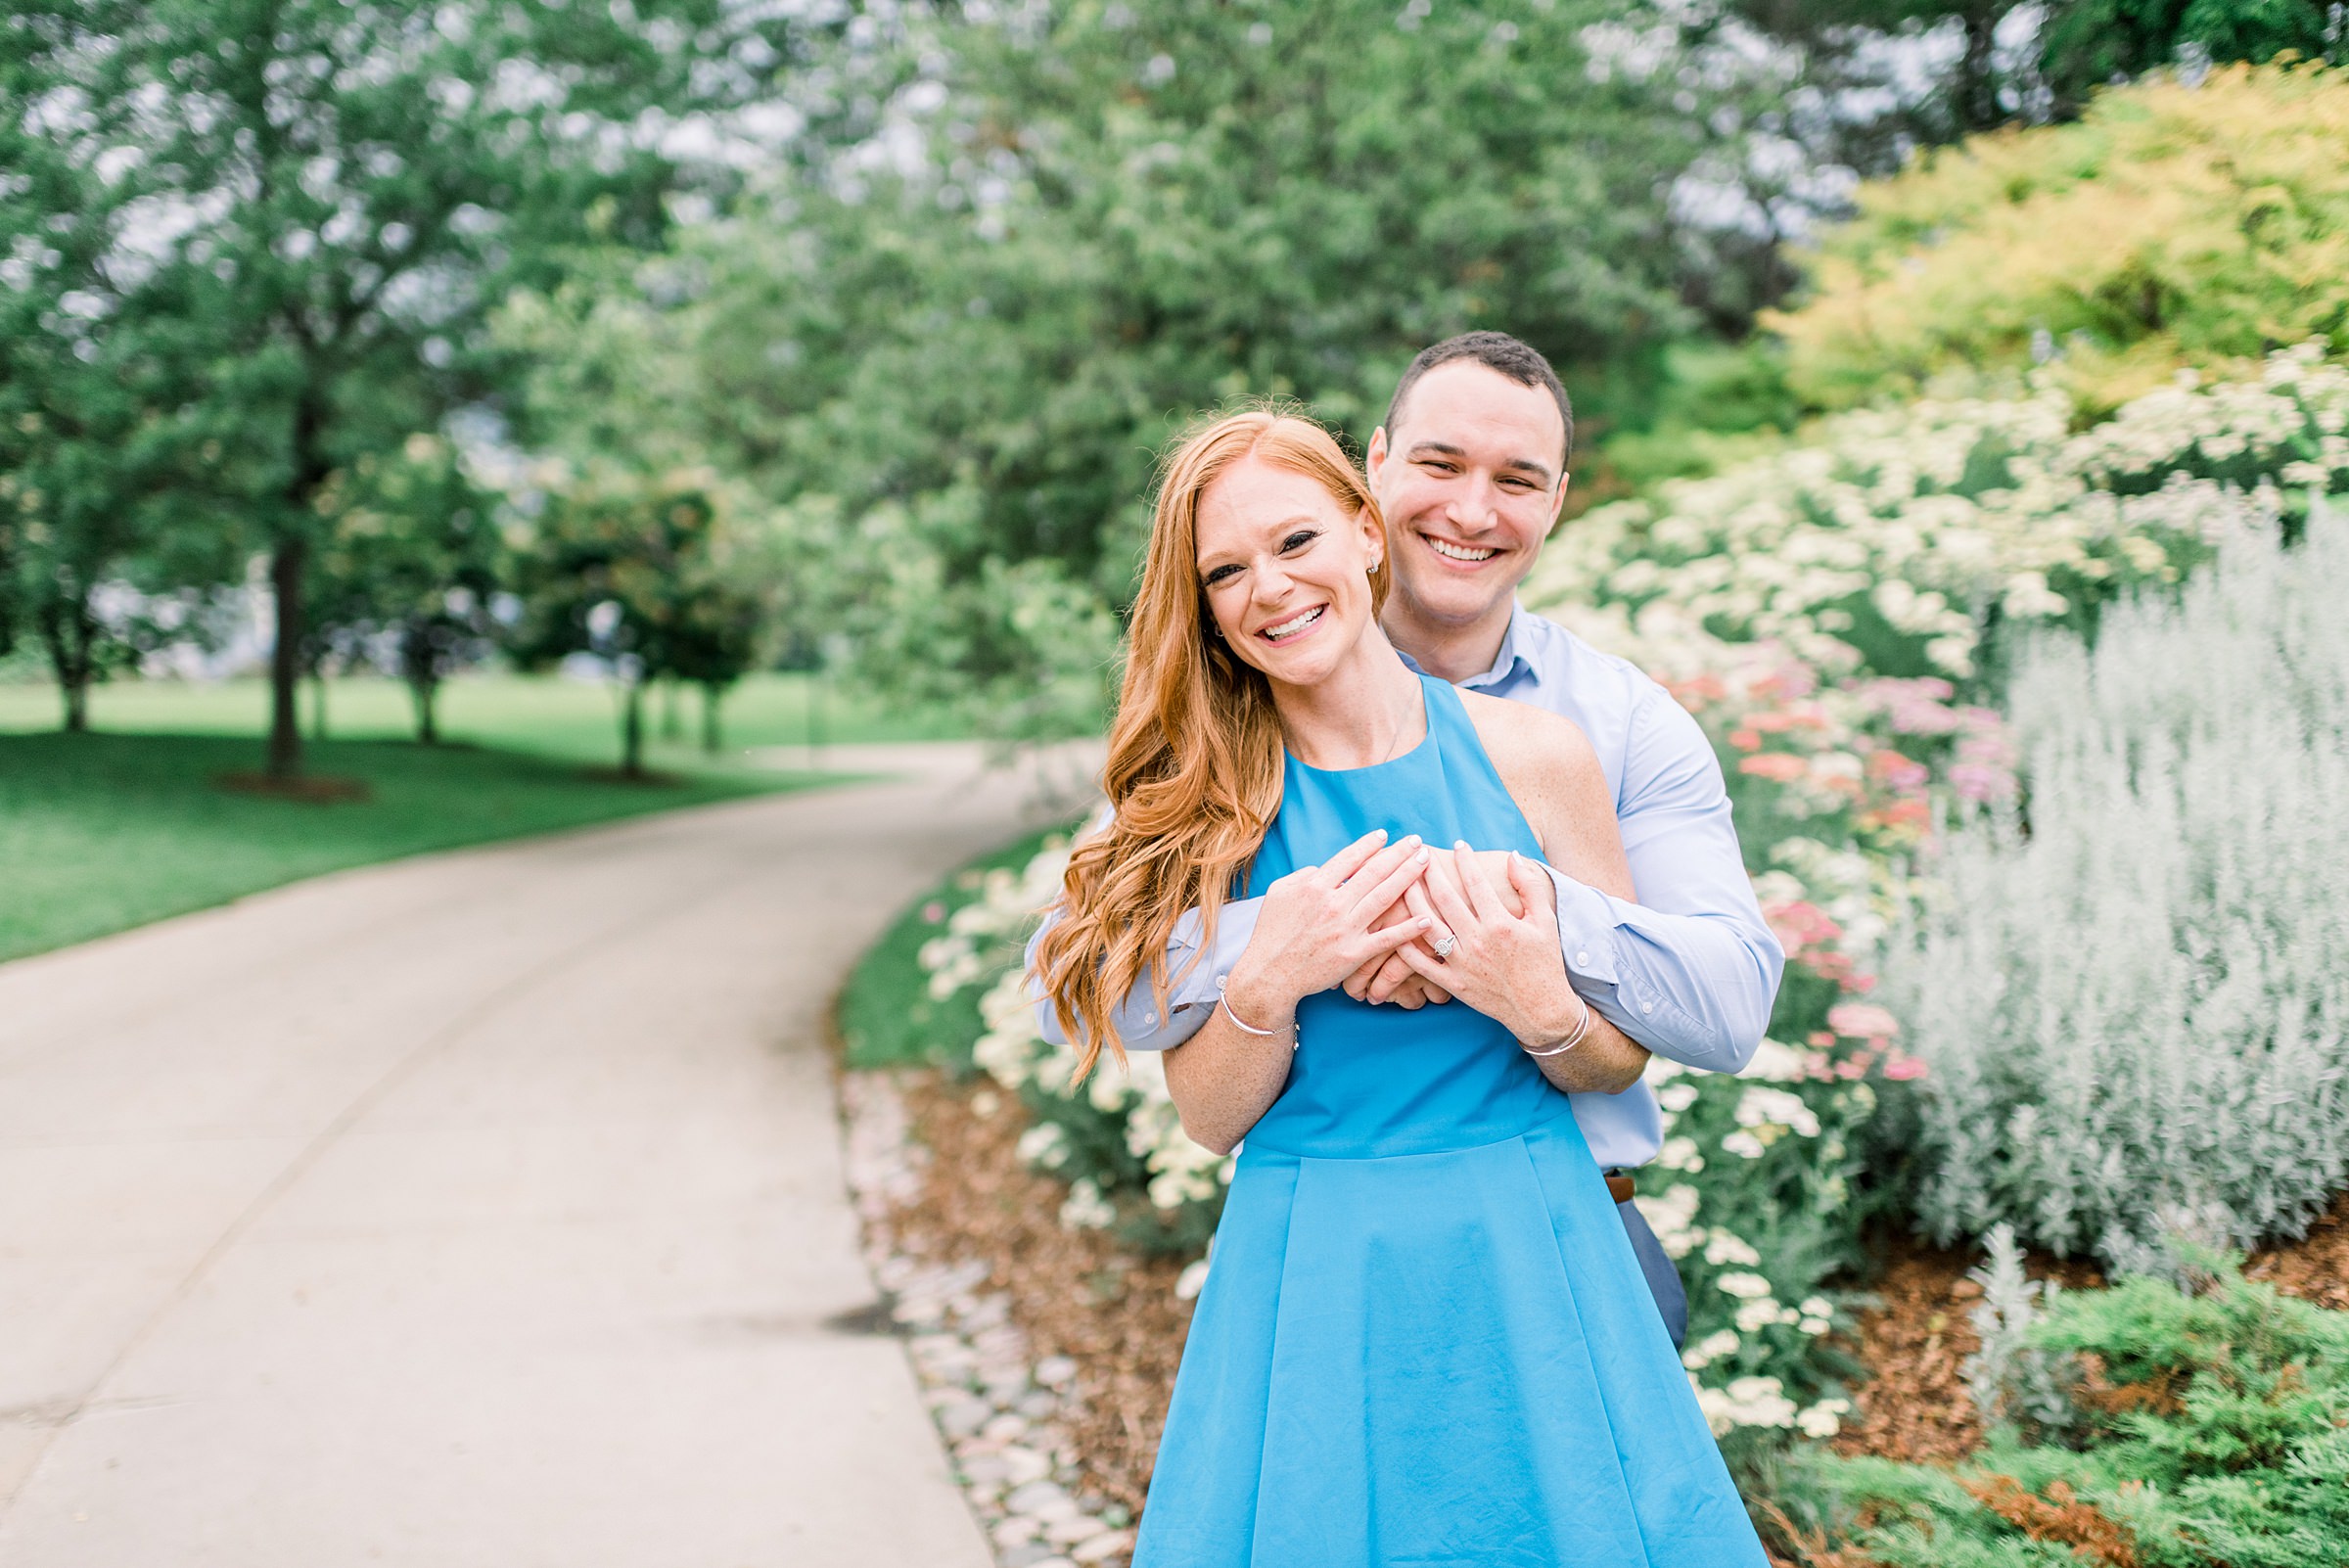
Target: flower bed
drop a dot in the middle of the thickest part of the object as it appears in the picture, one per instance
(1829, 614)
(1755, 1189)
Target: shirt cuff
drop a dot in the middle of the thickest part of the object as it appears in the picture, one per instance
(1197, 991)
(1585, 929)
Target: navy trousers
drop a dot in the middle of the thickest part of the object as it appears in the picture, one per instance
(1663, 1274)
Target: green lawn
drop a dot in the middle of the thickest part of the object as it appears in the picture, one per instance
(544, 713)
(128, 825)
(888, 1017)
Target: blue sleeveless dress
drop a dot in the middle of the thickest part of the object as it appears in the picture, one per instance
(1424, 1338)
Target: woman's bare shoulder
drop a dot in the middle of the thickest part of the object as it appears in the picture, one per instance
(1550, 768)
(1546, 751)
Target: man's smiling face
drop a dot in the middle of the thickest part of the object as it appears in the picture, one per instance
(1470, 480)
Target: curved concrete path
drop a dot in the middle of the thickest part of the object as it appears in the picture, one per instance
(478, 1209)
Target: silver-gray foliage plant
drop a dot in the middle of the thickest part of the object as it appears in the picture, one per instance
(2133, 997)
(2011, 1381)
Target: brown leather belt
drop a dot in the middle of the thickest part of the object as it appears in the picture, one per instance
(1619, 1185)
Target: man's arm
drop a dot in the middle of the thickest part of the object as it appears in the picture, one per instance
(1691, 970)
(1192, 995)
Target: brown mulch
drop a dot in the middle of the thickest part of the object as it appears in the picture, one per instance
(308, 789)
(1074, 1293)
(1914, 1406)
(2315, 1267)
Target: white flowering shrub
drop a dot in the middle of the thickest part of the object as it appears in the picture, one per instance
(1894, 541)
(2132, 994)
(1117, 1138)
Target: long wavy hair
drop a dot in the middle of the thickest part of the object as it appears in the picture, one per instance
(1195, 764)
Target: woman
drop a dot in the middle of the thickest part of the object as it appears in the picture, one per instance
(1424, 1339)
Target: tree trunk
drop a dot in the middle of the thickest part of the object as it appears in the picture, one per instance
(1977, 74)
(632, 732)
(426, 693)
(710, 694)
(66, 629)
(286, 571)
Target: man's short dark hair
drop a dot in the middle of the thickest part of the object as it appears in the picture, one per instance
(1518, 360)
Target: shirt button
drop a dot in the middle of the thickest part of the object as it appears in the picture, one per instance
(1149, 1020)
(1582, 958)
(1647, 1007)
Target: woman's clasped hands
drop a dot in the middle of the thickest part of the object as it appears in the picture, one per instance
(1374, 917)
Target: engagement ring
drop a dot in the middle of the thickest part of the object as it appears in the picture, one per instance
(1445, 944)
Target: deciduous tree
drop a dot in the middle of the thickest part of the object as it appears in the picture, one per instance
(648, 573)
(354, 182)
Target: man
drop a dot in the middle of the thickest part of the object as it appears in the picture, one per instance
(1469, 469)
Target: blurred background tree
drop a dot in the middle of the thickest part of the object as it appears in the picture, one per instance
(655, 574)
(411, 566)
(337, 192)
(936, 285)
(960, 341)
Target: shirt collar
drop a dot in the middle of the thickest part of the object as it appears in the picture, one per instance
(1506, 663)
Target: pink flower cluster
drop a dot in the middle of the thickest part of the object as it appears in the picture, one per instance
(1874, 753)
(1813, 939)
(1873, 1028)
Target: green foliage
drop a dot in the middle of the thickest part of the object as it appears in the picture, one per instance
(2207, 1427)
(411, 554)
(2085, 44)
(323, 199)
(95, 371)
(889, 1015)
(2174, 225)
(654, 573)
(957, 362)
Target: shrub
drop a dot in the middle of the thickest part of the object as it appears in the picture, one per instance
(2206, 1425)
(2130, 993)
(2172, 225)
(1899, 542)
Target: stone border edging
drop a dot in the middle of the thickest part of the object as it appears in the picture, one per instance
(998, 1414)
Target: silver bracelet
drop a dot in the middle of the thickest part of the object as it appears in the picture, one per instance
(1571, 1040)
(1241, 1023)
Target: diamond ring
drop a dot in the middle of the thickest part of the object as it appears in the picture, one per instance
(1445, 944)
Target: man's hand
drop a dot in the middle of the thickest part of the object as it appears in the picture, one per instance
(1387, 978)
(1504, 960)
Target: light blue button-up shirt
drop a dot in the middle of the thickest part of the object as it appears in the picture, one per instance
(1690, 972)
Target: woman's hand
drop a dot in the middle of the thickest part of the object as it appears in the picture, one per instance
(1504, 960)
(1387, 978)
(1321, 923)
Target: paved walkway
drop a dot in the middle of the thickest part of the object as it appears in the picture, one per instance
(478, 1209)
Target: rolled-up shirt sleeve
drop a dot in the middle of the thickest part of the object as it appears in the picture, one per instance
(1691, 970)
(1137, 1020)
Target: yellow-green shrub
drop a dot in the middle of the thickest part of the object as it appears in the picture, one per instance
(2172, 225)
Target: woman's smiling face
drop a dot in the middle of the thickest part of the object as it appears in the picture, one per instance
(1285, 569)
